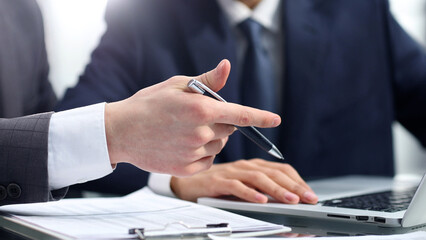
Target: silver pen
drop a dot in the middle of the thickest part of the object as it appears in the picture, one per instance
(250, 132)
(186, 232)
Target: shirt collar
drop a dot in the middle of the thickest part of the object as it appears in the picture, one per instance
(266, 13)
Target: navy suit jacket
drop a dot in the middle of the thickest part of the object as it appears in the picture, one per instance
(350, 72)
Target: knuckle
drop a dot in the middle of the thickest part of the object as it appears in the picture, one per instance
(227, 130)
(258, 161)
(277, 191)
(230, 129)
(206, 135)
(199, 112)
(287, 167)
(232, 184)
(275, 174)
(223, 142)
(297, 188)
(255, 175)
(200, 137)
(174, 79)
(244, 119)
(265, 122)
(209, 162)
(203, 77)
(242, 163)
(139, 92)
(214, 180)
(247, 193)
(219, 144)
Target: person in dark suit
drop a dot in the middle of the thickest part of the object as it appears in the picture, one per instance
(43, 153)
(344, 71)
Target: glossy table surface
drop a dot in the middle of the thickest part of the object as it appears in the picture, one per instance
(322, 228)
(301, 227)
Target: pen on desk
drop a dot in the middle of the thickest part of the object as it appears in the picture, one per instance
(187, 232)
(250, 132)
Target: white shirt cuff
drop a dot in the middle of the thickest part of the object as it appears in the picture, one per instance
(160, 184)
(77, 148)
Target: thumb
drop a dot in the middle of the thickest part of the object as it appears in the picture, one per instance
(216, 78)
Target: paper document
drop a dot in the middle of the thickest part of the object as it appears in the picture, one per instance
(113, 217)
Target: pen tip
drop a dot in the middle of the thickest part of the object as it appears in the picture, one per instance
(276, 153)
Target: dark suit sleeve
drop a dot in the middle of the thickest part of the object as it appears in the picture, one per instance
(408, 59)
(23, 160)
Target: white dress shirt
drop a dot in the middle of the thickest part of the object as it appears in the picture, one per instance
(77, 147)
(268, 14)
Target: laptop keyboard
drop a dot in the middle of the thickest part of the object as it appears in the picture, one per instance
(388, 201)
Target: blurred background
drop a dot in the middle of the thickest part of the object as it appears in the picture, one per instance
(74, 27)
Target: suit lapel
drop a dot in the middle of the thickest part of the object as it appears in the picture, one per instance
(209, 39)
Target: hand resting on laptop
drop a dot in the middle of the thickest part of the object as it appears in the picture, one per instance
(248, 180)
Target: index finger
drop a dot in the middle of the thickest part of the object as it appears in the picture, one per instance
(239, 115)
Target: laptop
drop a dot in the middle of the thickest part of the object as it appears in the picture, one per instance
(362, 199)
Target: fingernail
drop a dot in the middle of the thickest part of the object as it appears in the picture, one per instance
(291, 197)
(260, 197)
(276, 122)
(310, 196)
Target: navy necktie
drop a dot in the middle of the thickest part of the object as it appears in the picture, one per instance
(257, 82)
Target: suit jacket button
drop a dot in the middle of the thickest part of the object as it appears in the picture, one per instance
(14, 190)
(3, 193)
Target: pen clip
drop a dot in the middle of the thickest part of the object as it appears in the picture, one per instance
(201, 88)
(187, 232)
